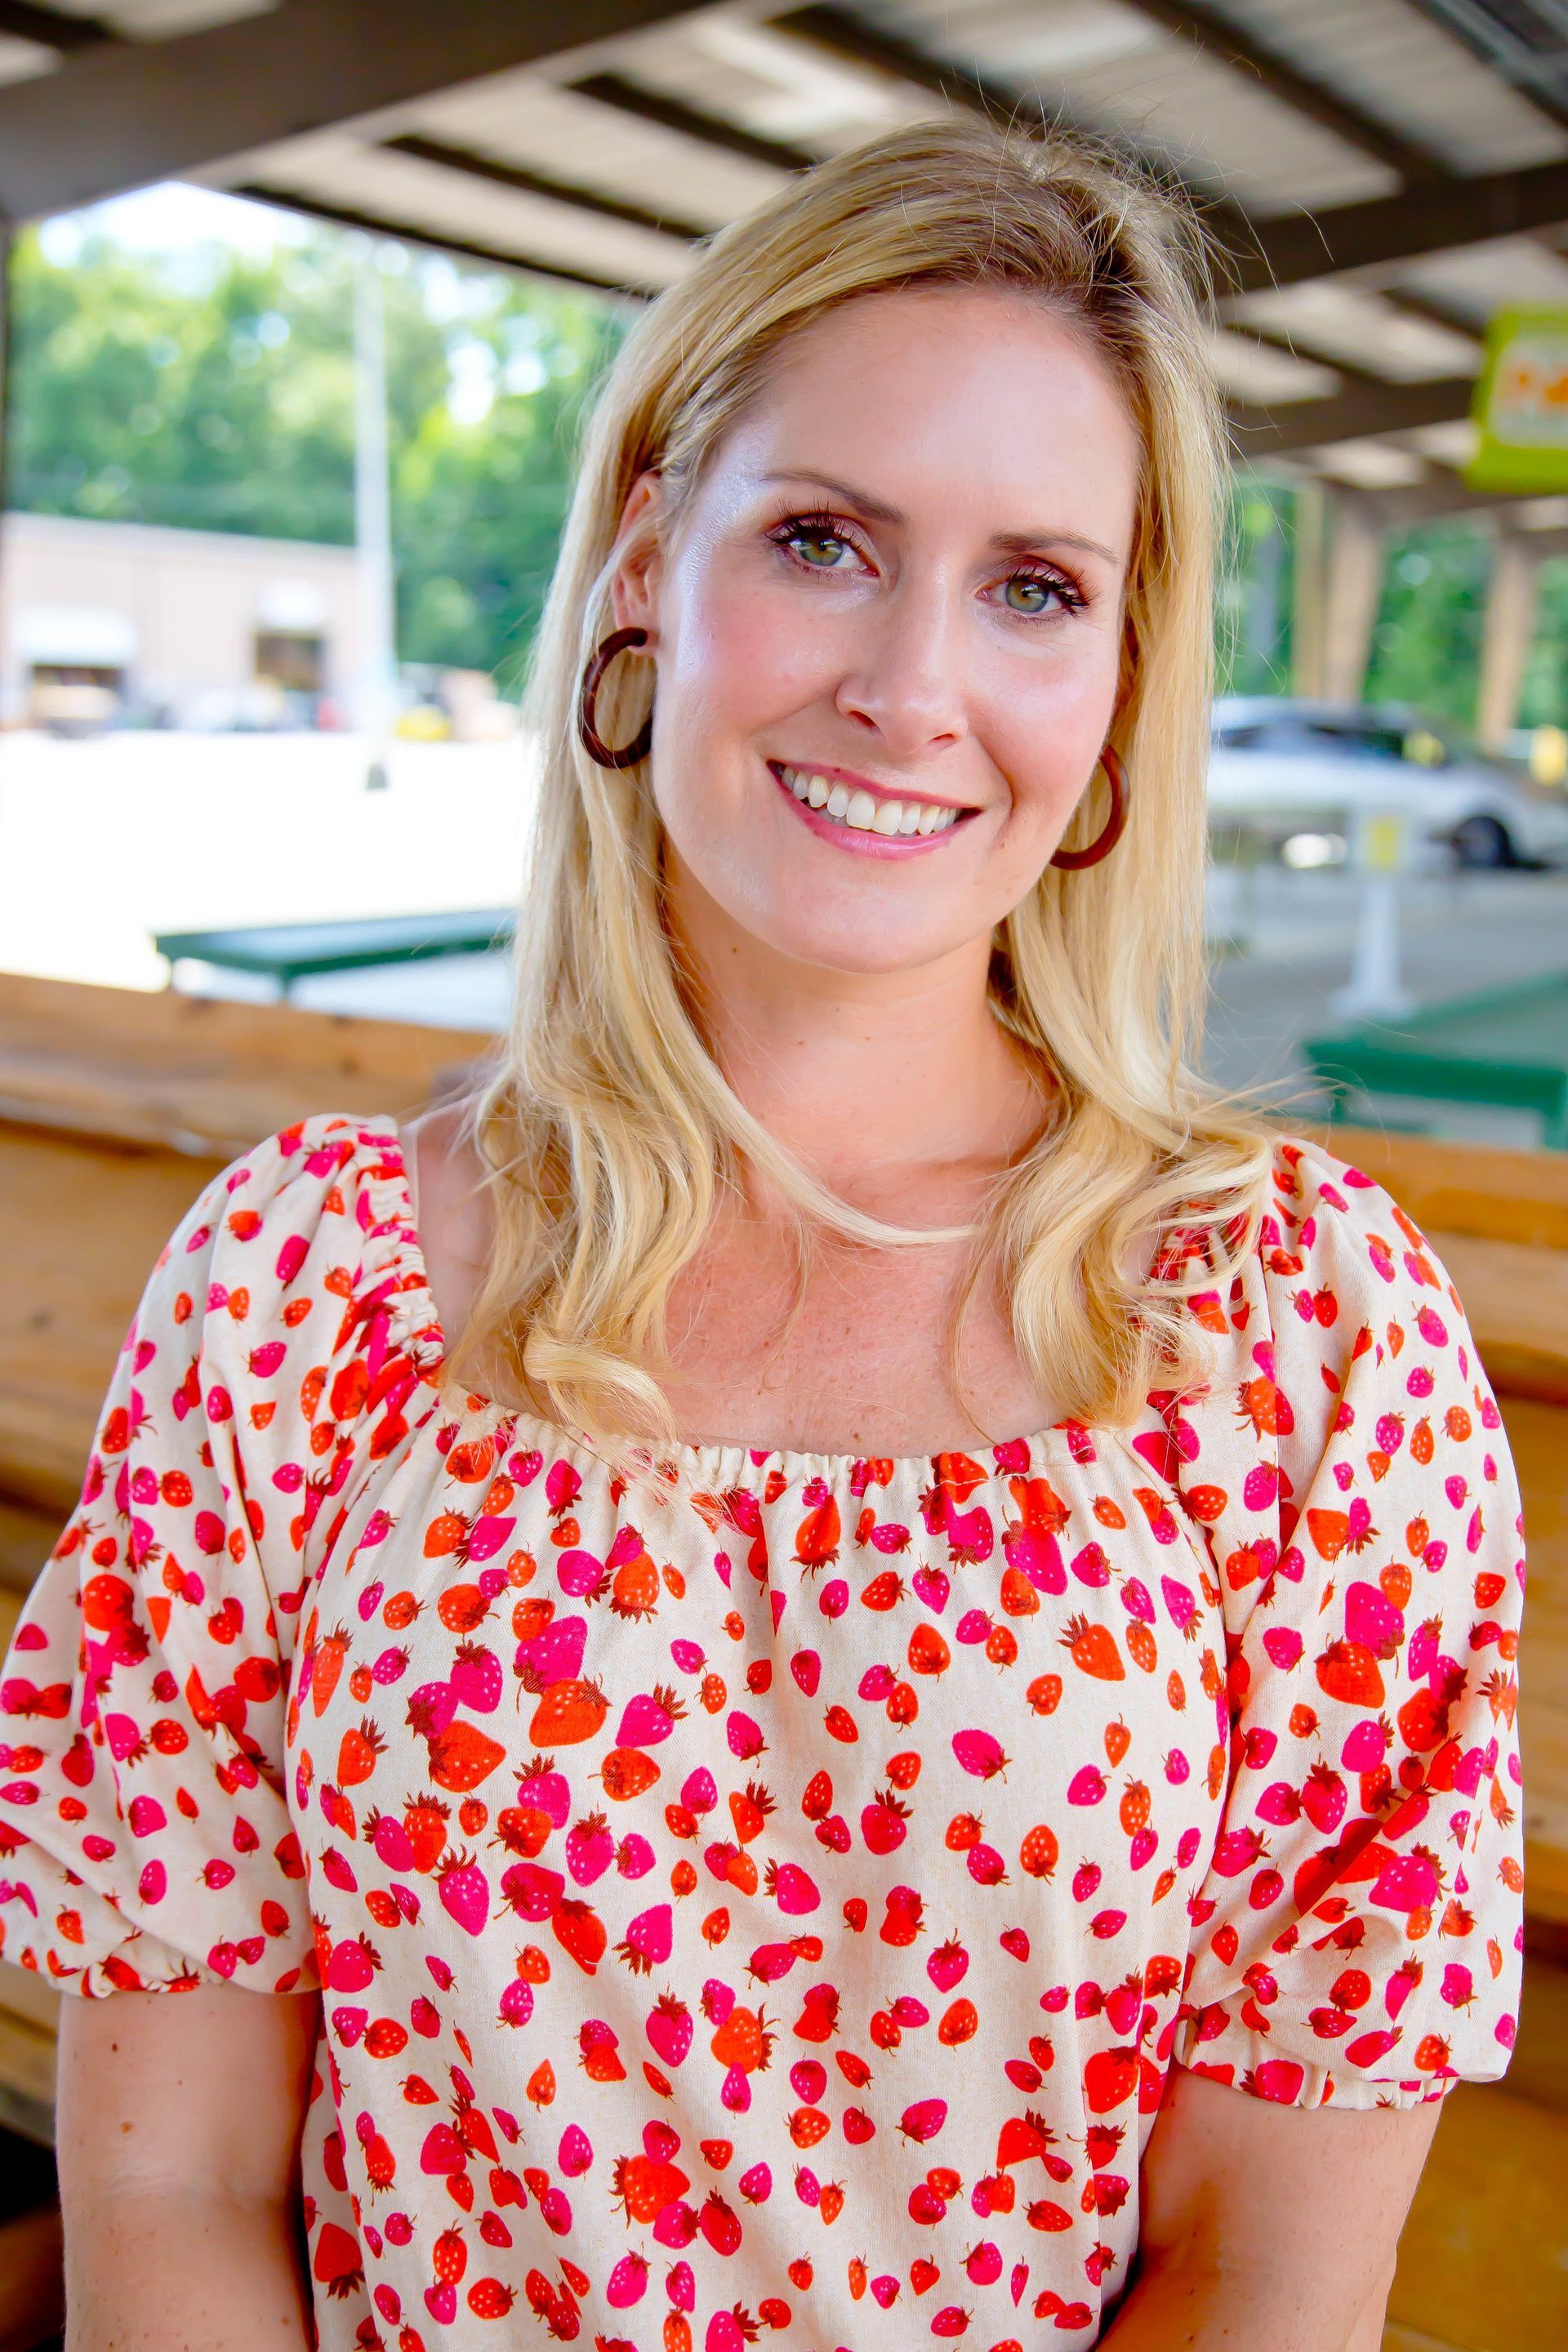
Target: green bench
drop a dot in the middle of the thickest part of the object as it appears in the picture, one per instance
(286, 952)
(1505, 1047)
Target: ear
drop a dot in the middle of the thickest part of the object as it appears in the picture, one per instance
(634, 590)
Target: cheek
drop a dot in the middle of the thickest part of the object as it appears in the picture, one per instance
(748, 654)
(1046, 724)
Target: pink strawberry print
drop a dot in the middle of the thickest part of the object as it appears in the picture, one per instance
(860, 1839)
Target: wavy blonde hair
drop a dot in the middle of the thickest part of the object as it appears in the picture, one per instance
(605, 1124)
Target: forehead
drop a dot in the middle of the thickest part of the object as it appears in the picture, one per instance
(952, 399)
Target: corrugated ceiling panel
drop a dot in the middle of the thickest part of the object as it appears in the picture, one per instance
(1392, 60)
(160, 20)
(525, 119)
(398, 187)
(1367, 464)
(774, 88)
(21, 61)
(1337, 322)
(1262, 376)
(1114, 68)
(1452, 445)
(1479, 278)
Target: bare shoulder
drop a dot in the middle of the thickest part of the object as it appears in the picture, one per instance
(451, 1209)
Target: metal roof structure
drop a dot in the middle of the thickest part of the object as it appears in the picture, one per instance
(1385, 173)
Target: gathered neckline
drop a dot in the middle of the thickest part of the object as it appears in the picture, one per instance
(717, 1460)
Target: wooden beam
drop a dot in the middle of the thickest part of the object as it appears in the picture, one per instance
(1438, 216)
(120, 114)
(471, 165)
(53, 29)
(291, 200)
(1231, 46)
(631, 98)
(850, 40)
(1356, 414)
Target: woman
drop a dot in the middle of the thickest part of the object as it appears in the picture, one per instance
(785, 1855)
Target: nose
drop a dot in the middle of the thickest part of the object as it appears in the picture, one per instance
(906, 682)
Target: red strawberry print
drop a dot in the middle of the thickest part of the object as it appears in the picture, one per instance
(738, 1818)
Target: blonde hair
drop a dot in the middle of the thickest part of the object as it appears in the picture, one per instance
(605, 1124)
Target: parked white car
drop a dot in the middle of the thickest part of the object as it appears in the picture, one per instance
(1296, 772)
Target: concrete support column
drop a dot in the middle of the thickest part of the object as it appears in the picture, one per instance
(1353, 592)
(1511, 601)
(1306, 589)
(1338, 586)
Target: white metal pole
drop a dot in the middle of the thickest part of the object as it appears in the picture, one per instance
(377, 696)
(1375, 991)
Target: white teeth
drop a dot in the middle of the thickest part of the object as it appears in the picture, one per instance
(861, 811)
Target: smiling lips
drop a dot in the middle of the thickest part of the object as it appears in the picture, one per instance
(847, 809)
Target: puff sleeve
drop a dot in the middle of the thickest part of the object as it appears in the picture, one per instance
(1357, 1940)
(146, 1835)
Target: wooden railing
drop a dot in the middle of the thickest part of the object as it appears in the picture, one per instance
(115, 1106)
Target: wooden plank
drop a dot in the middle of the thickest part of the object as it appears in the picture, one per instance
(1539, 2069)
(200, 1075)
(84, 1226)
(1516, 1297)
(27, 1538)
(1483, 2261)
(32, 2277)
(1460, 1188)
(26, 2078)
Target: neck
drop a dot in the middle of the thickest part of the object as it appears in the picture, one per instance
(887, 1085)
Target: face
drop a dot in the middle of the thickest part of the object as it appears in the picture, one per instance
(888, 631)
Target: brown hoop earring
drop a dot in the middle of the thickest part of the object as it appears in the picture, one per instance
(618, 642)
(1115, 825)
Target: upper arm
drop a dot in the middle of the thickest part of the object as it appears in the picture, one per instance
(205, 2088)
(1315, 2197)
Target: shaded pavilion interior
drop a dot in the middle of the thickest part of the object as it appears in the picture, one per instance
(1382, 173)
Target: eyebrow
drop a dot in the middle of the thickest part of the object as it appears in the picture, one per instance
(1009, 543)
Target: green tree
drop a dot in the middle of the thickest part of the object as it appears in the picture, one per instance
(218, 395)
(1425, 647)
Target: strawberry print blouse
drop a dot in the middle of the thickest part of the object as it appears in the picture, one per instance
(769, 1912)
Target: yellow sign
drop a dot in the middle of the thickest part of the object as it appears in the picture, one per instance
(1520, 407)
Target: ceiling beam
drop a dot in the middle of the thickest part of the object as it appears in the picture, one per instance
(120, 114)
(1356, 414)
(52, 28)
(1437, 217)
(291, 200)
(472, 165)
(850, 40)
(646, 105)
(1301, 91)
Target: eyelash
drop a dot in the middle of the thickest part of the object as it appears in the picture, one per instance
(820, 523)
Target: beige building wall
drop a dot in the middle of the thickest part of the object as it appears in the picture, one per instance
(185, 605)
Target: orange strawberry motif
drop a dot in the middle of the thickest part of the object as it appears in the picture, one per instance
(1094, 1650)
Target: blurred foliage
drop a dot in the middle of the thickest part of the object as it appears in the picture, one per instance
(1543, 699)
(217, 394)
(1252, 591)
(213, 391)
(1426, 644)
